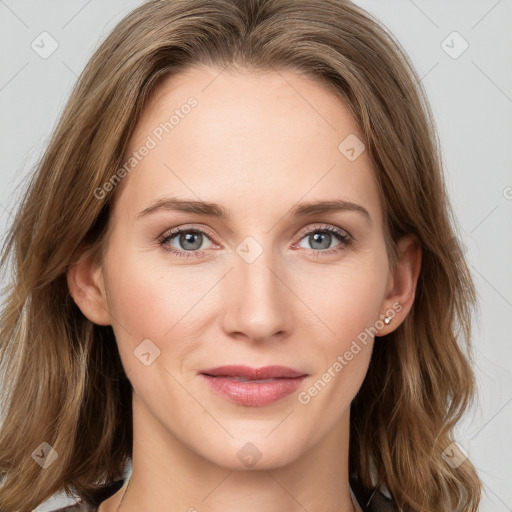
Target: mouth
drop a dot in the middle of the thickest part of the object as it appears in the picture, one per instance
(253, 387)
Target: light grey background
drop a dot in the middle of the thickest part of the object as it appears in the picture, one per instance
(471, 96)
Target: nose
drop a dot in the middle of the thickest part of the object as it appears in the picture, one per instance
(258, 303)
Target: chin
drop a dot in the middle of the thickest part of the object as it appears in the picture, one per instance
(257, 452)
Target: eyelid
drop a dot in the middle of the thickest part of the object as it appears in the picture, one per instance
(325, 227)
(187, 227)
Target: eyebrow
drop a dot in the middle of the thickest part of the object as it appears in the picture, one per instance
(215, 210)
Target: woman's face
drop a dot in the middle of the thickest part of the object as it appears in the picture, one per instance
(269, 283)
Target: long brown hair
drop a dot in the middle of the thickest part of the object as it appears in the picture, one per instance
(63, 378)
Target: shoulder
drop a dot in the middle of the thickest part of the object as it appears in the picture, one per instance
(373, 500)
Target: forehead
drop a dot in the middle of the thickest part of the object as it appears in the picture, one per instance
(248, 140)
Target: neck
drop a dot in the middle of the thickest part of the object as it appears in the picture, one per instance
(167, 475)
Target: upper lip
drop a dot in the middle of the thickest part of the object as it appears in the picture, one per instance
(247, 372)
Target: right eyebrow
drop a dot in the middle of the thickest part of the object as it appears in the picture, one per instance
(186, 205)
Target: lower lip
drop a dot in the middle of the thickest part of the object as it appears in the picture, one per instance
(253, 394)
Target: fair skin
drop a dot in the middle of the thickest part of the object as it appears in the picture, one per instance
(256, 144)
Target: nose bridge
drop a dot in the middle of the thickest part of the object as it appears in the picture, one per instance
(257, 304)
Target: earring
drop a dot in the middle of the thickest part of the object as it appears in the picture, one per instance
(388, 319)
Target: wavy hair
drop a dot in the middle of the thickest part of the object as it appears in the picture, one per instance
(64, 383)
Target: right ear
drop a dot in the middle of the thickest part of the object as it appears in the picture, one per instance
(87, 287)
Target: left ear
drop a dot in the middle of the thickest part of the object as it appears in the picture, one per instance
(401, 288)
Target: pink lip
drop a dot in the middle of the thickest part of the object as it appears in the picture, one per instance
(278, 382)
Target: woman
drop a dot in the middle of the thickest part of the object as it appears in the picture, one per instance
(235, 271)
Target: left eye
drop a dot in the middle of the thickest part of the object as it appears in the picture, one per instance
(320, 239)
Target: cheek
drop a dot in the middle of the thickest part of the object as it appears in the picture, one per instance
(139, 301)
(157, 303)
(344, 299)
(136, 298)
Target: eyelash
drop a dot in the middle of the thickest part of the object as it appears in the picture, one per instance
(345, 239)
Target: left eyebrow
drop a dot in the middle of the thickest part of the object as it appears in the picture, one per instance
(338, 205)
(215, 210)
